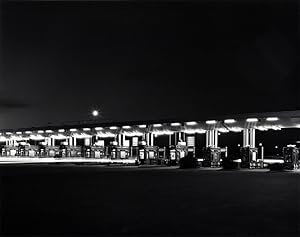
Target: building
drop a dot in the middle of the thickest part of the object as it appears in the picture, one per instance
(147, 141)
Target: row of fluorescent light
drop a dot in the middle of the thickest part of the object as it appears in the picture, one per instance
(74, 130)
(249, 120)
(191, 123)
(230, 121)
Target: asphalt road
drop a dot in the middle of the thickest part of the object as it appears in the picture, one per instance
(82, 200)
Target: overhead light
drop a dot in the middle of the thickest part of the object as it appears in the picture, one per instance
(252, 120)
(49, 131)
(298, 126)
(211, 122)
(28, 132)
(73, 130)
(113, 128)
(61, 130)
(143, 126)
(19, 133)
(86, 129)
(8, 133)
(126, 127)
(175, 124)
(98, 128)
(272, 119)
(157, 125)
(191, 123)
(229, 121)
(40, 131)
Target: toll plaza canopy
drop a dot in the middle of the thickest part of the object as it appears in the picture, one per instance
(234, 123)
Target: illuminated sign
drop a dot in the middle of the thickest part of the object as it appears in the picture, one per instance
(190, 141)
(135, 141)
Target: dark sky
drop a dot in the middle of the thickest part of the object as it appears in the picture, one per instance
(146, 60)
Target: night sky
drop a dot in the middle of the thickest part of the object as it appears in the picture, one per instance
(146, 60)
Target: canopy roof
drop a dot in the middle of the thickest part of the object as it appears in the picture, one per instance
(234, 123)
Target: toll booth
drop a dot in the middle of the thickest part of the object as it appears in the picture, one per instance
(148, 154)
(291, 157)
(161, 159)
(172, 157)
(26, 150)
(142, 156)
(73, 151)
(212, 157)
(52, 151)
(42, 151)
(181, 150)
(10, 151)
(142, 153)
(97, 151)
(151, 154)
(249, 157)
(62, 151)
(2, 151)
(87, 151)
(122, 152)
(134, 152)
(115, 151)
(175, 153)
(111, 150)
(32, 151)
(22, 150)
